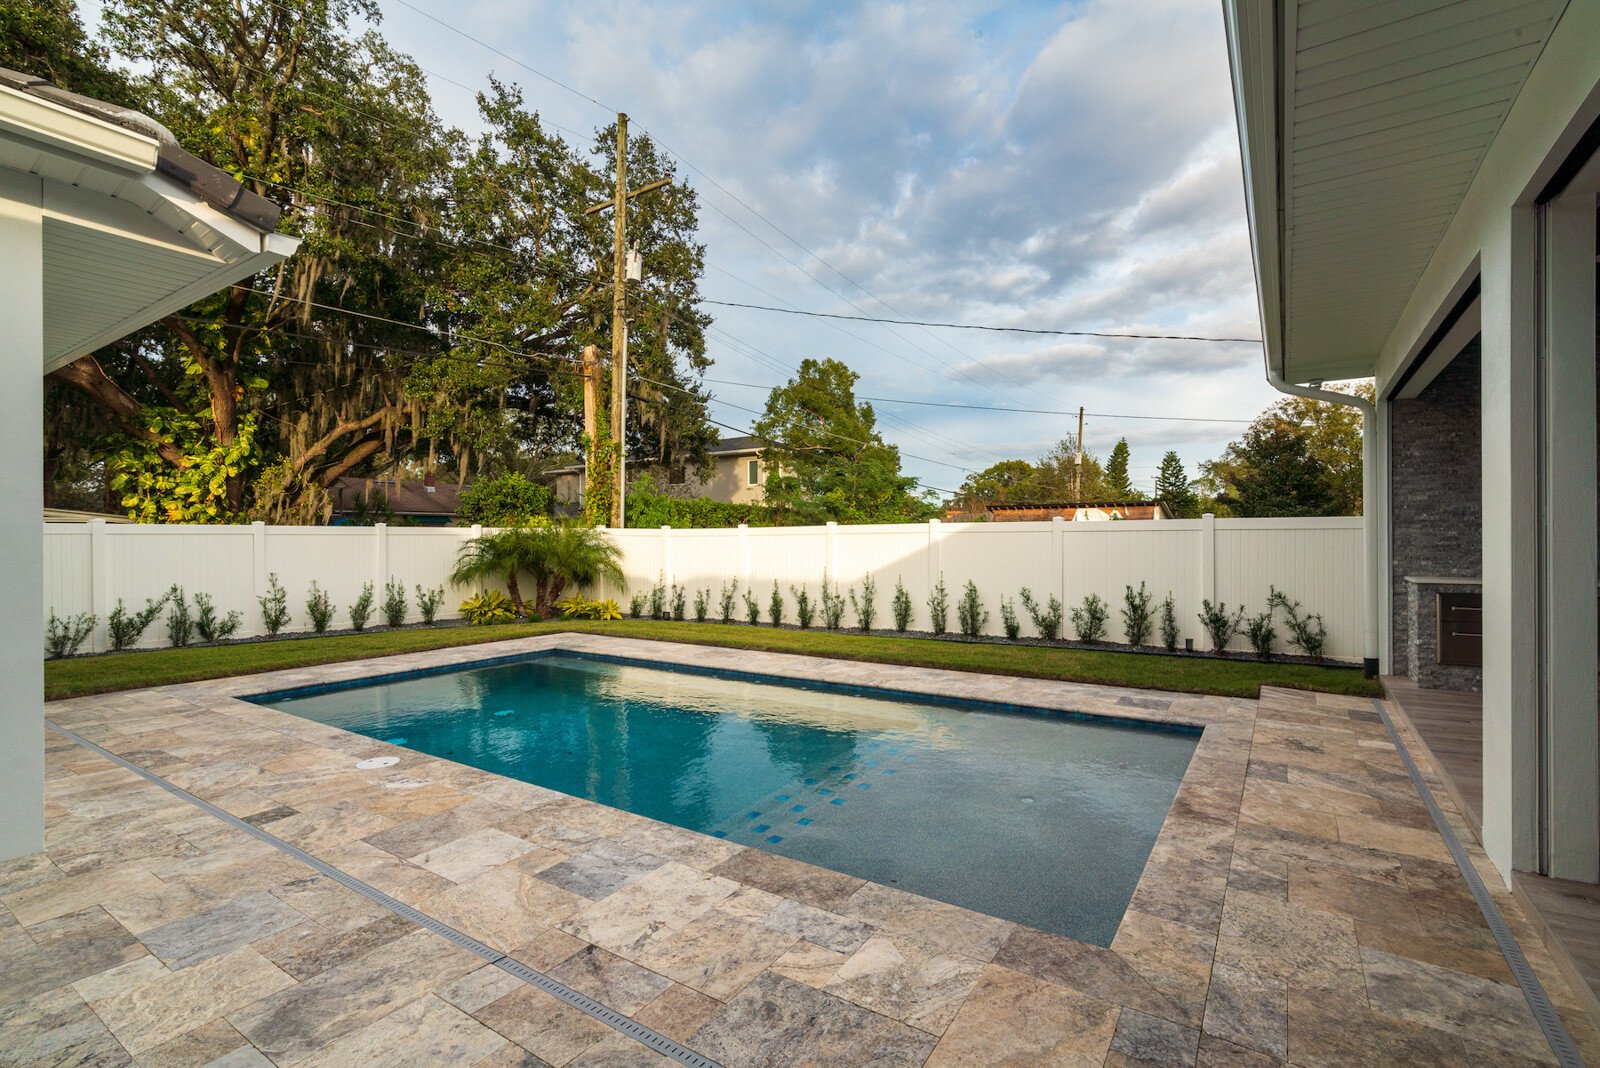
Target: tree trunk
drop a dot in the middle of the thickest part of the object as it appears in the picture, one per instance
(514, 590)
(549, 594)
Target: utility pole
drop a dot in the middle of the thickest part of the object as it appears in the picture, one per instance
(619, 313)
(591, 409)
(1077, 464)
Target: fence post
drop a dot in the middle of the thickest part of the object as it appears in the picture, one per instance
(831, 550)
(1208, 557)
(380, 556)
(667, 567)
(935, 566)
(1058, 562)
(744, 554)
(258, 575)
(99, 584)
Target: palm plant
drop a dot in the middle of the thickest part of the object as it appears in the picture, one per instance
(555, 556)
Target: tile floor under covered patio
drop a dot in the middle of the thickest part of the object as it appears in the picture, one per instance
(1299, 906)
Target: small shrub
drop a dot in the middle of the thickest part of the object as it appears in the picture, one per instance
(680, 607)
(361, 608)
(833, 603)
(208, 626)
(583, 608)
(1136, 614)
(274, 606)
(1219, 624)
(1008, 618)
(803, 609)
(64, 637)
(971, 616)
(658, 598)
(866, 609)
(394, 604)
(319, 608)
(1089, 619)
(1306, 631)
(1169, 625)
(429, 602)
(902, 607)
(1047, 621)
(180, 624)
(939, 606)
(487, 607)
(775, 606)
(1262, 633)
(637, 603)
(702, 605)
(125, 628)
(752, 608)
(726, 600)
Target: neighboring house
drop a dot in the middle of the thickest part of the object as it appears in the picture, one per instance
(423, 502)
(737, 476)
(106, 225)
(1422, 196)
(1084, 512)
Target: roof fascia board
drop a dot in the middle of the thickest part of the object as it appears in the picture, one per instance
(62, 131)
(116, 216)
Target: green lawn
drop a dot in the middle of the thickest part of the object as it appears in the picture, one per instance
(1232, 678)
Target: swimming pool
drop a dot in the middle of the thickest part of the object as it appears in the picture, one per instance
(1045, 819)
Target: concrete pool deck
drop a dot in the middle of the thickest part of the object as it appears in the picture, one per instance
(1299, 907)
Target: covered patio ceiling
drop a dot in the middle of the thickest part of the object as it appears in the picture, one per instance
(1362, 126)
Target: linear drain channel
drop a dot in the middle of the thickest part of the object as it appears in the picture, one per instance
(1555, 1032)
(587, 1005)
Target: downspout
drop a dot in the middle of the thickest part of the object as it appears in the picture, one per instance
(1372, 503)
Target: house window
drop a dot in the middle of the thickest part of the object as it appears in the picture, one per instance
(678, 475)
(753, 473)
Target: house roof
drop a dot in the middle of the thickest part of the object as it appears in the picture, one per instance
(405, 496)
(1031, 505)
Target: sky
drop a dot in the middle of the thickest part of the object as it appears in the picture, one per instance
(1069, 166)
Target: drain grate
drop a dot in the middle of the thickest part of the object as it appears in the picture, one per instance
(1555, 1032)
(610, 1017)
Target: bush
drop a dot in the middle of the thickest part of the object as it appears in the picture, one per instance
(803, 609)
(1089, 619)
(208, 626)
(1219, 624)
(394, 604)
(361, 609)
(487, 607)
(1008, 618)
(1169, 625)
(649, 509)
(658, 598)
(1306, 632)
(126, 628)
(583, 608)
(319, 608)
(64, 637)
(726, 600)
(1262, 633)
(939, 606)
(429, 602)
(1136, 614)
(180, 624)
(902, 607)
(679, 603)
(866, 609)
(775, 605)
(971, 616)
(752, 608)
(507, 501)
(274, 606)
(702, 605)
(637, 603)
(1046, 621)
(833, 603)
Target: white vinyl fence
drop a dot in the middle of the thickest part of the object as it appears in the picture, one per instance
(88, 567)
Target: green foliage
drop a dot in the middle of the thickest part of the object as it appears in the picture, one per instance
(775, 606)
(180, 624)
(1089, 619)
(505, 501)
(939, 606)
(64, 637)
(752, 608)
(44, 38)
(1219, 625)
(1008, 618)
(125, 628)
(702, 605)
(1047, 621)
(825, 456)
(1169, 625)
(726, 599)
(1300, 457)
(1261, 632)
(196, 491)
(804, 611)
(866, 609)
(319, 608)
(556, 556)
(902, 607)
(274, 606)
(1173, 487)
(648, 509)
(370, 509)
(636, 604)
(679, 606)
(833, 603)
(1050, 479)
(658, 599)
(600, 487)
(394, 604)
(1306, 629)
(971, 616)
(208, 626)
(429, 602)
(1118, 483)
(1136, 619)
(361, 607)
(487, 607)
(583, 608)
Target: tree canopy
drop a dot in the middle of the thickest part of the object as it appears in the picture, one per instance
(1300, 457)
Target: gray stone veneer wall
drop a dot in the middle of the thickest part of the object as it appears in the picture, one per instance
(1436, 488)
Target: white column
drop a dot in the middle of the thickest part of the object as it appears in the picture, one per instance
(1058, 559)
(100, 599)
(258, 576)
(380, 557)
(21, 523)
(1208, 558)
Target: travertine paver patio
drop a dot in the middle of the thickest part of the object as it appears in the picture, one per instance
(1298, 907)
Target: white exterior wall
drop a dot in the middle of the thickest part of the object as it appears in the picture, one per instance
(1316, 561)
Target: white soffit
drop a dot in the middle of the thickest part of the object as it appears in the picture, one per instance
(1389, 108)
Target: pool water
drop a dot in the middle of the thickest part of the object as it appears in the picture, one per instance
(1039, 818)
